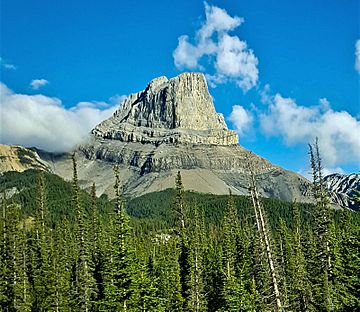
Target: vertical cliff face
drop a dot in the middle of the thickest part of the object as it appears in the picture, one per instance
(177, 110)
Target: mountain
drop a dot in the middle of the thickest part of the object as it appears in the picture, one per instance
(342, 189)
(172, 125)
(18, 158)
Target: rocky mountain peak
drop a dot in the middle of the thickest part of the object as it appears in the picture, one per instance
(343, 188)
(176, 110)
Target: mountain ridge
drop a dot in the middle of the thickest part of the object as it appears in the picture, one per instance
(172, 126)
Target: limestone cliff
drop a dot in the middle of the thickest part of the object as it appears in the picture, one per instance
(176, 111)
(172, 125)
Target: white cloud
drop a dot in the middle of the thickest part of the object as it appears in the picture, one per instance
(37, 83)
(357, 56)
(7, 65)
(325, 171)
(43, 122)
(338, 132)
(241, 119)
(229, 56)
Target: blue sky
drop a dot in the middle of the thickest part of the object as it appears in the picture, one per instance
(300, 83)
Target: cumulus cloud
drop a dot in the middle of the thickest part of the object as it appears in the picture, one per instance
(229, 56)
(37, 83)
(241, 119)
(325, 171)
(357, 56)
(44, 122)
(338, 131)
(7, 65)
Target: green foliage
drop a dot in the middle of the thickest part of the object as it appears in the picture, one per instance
(143, 259)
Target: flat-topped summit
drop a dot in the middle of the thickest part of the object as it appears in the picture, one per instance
(177, 110)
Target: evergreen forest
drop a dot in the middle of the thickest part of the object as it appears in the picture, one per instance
(64, 249)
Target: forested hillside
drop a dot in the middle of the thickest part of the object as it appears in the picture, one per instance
(63, 249)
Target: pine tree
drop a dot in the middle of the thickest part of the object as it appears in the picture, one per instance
(169, 275)
(196, 296)
(84, 280)
(41, 273)
(119, 277)
(60, 269)
(6, 291)
(322, 277)
(300, 292)
(184, 261)
(146, 295)
(18, 279)
(213, 275)
(347, 265)
(97, 253)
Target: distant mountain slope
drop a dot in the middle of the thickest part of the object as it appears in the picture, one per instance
(18, 158)
(152, 211)
(342, 189)
(21, 188)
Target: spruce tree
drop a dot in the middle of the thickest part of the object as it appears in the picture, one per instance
(146, 295)
(322, 277)
(196, 296)
(299, 289)
(347, 265)
(60, 269)
(182, 231)
(6, 291)
(97, 253)
(119, 276)
(84, 279)
(20, 293)
(169, 274)
(41, 273)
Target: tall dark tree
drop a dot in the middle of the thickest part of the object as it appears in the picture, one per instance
(6, 291)
(119, 276)
(322, 277)
(182, 232)
(197, 301)
(300, 290)
(41, 258)
(96, 248)
(84, 279)
(347, 265)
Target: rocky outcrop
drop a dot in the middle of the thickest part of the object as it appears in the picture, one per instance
(172, 125)
(176, 111)
(18, 158)
(342, 189)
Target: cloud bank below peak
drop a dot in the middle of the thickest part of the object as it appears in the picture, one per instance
(230, 57)
(43, 122)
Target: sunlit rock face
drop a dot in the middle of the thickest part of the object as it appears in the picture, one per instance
(177, 110)
(172, 126)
